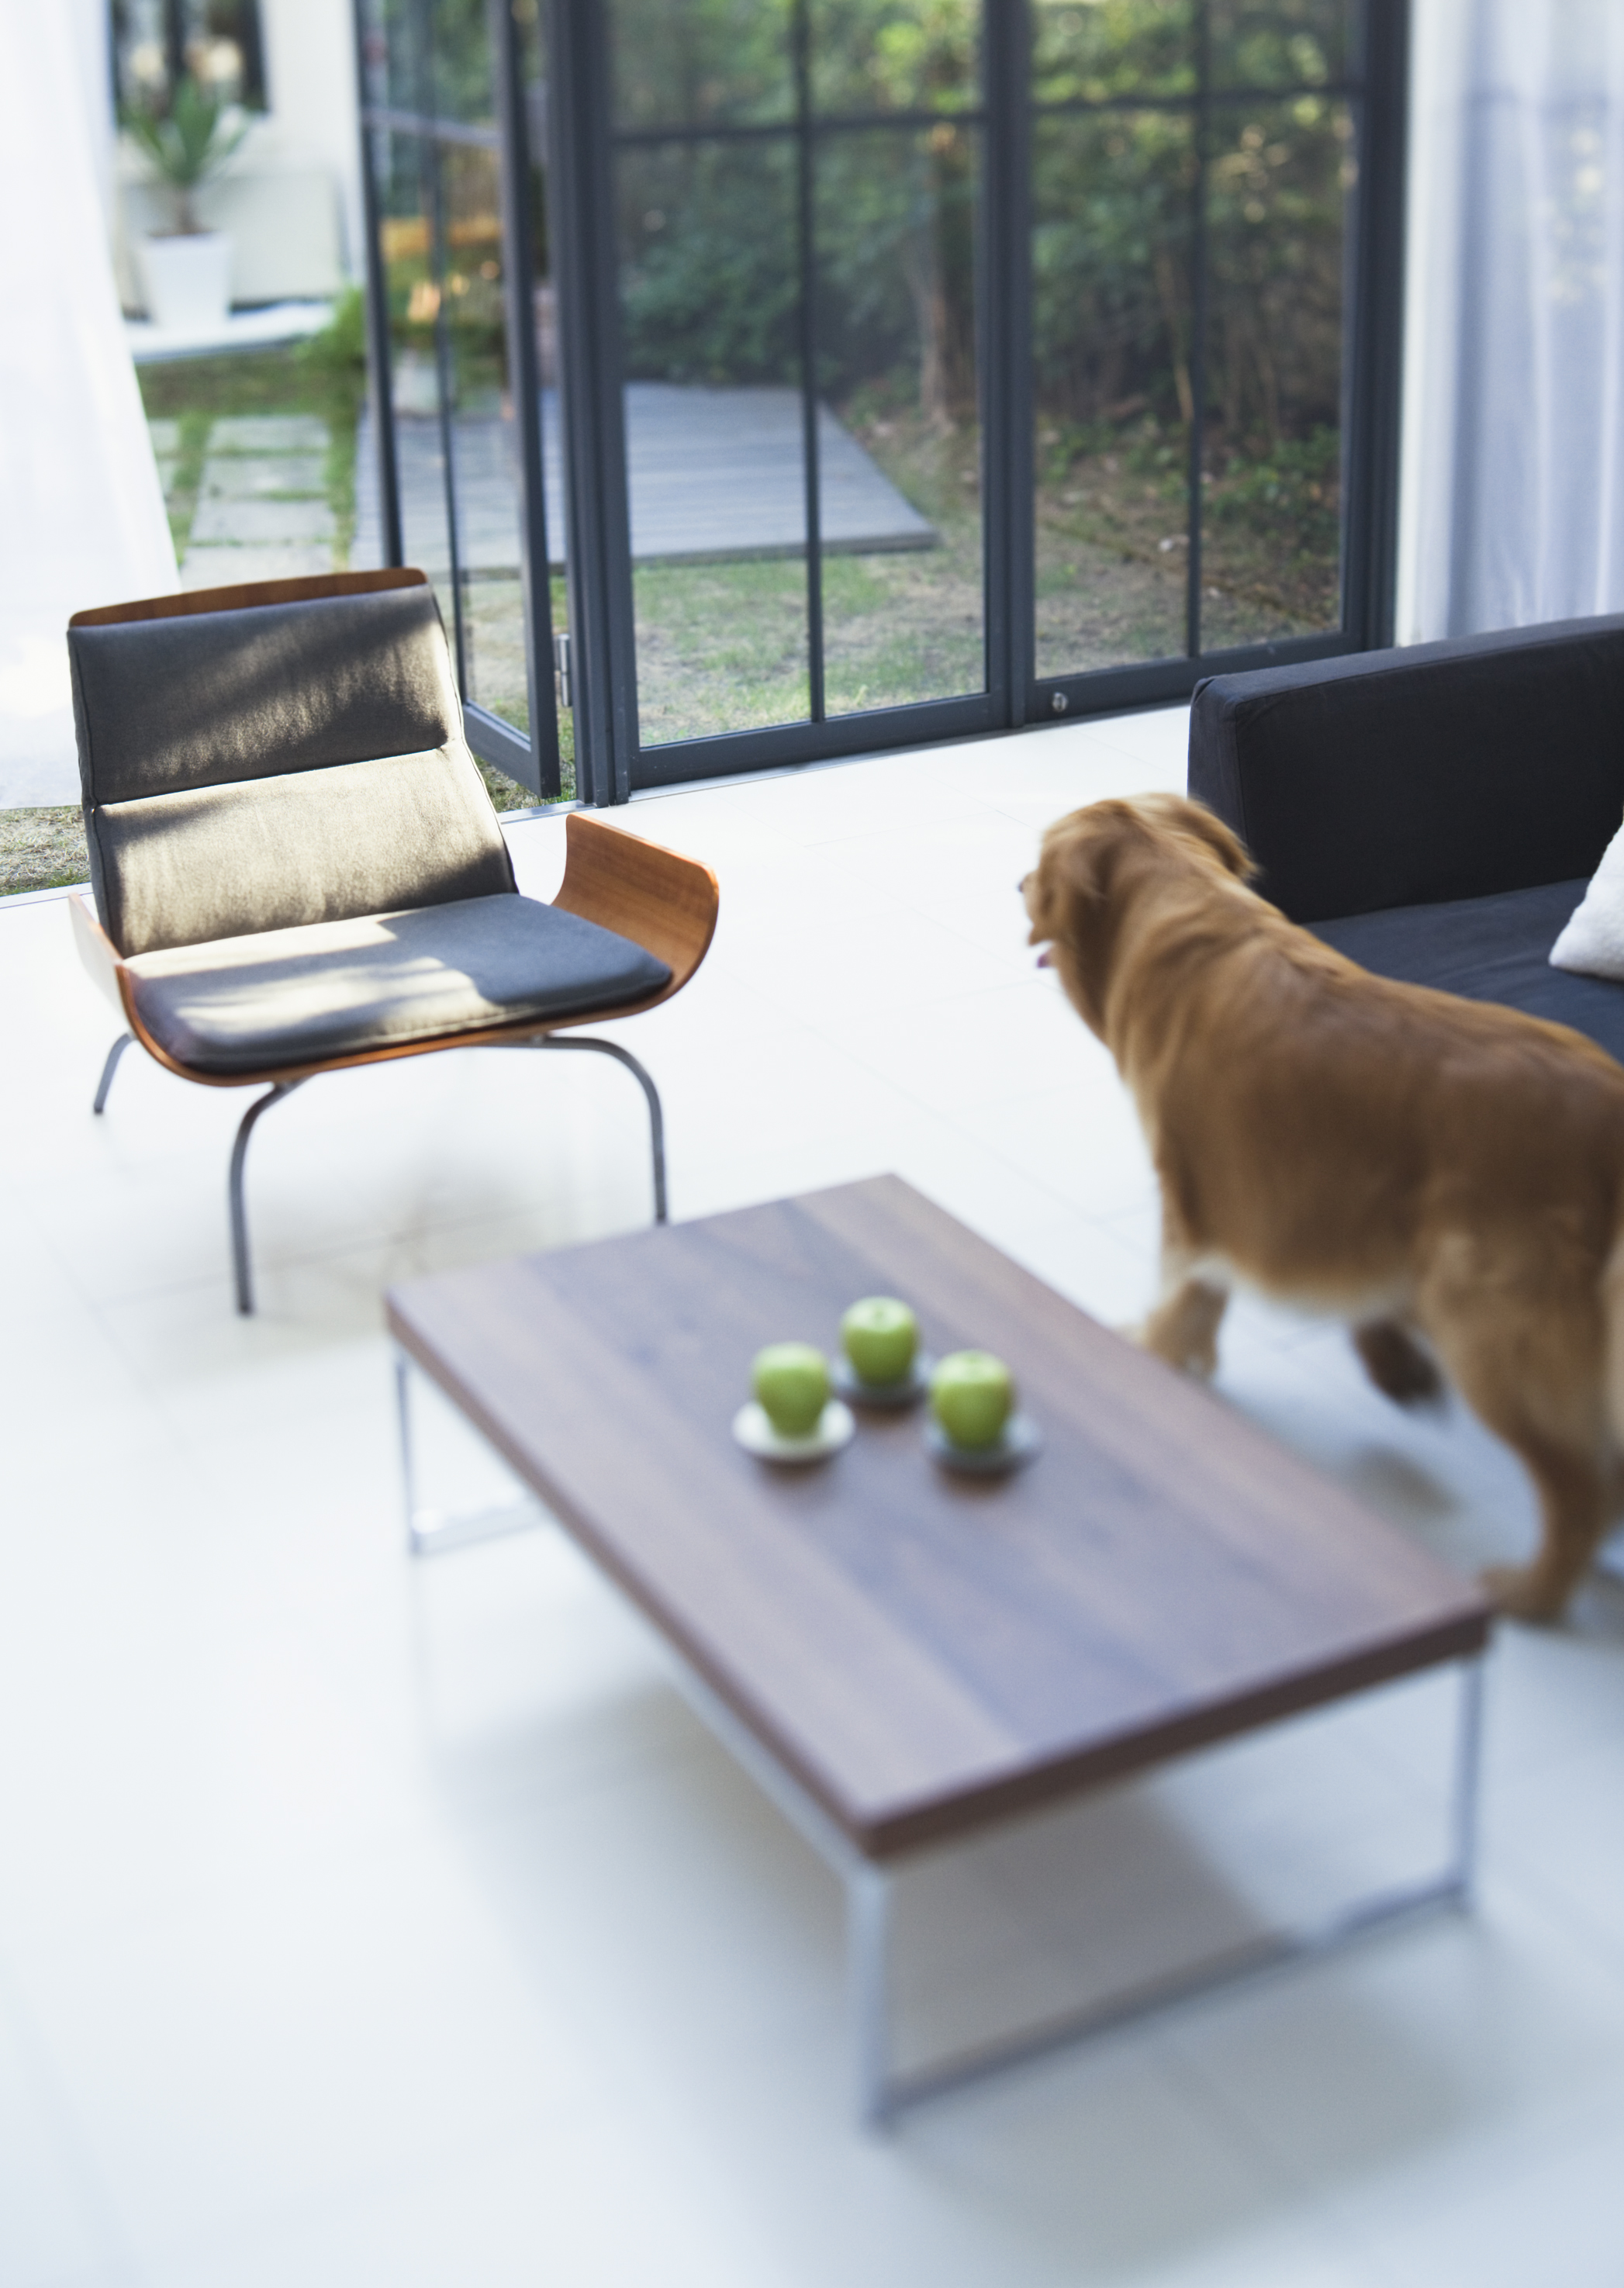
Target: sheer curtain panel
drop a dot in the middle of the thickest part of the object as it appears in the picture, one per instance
(1512, 504)
(82, 518)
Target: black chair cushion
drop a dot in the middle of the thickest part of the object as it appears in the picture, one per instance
(276, 766)
(208, 698)
(1495, 948)
(1441, 771)
(294, 997)
(274, 853)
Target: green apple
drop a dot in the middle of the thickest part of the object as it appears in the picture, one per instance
(973, 1395)
(791, 1383)
(879, 1336)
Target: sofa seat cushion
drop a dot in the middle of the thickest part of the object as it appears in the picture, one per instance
(294, 997)
(1493, 949)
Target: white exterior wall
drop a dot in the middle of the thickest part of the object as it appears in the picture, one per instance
(291, 197)
(310, 86)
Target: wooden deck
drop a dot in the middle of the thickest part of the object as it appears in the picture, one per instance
(714, 474)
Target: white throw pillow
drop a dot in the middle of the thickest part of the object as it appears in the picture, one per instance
(1593, 942)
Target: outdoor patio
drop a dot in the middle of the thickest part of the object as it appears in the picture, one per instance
(365, 1923)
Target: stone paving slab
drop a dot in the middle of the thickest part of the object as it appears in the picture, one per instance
(260, 522)
(246, 476)
(230, 568)
(165, 436)
(269, 432)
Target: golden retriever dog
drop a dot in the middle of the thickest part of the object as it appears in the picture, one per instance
(1407, 1160)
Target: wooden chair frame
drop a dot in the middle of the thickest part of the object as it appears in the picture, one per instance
(664, 902)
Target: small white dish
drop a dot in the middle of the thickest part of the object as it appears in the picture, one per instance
(905, 1390)
(756, 1435)
(1020, 1442)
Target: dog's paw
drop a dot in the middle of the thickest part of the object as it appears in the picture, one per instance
(1520, 1593)
(1197, 1357)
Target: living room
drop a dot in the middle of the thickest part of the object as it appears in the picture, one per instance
(366, 1915)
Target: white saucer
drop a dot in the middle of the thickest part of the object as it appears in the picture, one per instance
(905, 1390)
(756, 1435)
(1021, 1442)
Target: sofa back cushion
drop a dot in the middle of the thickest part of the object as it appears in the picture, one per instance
(280, 765)
(1405, 777)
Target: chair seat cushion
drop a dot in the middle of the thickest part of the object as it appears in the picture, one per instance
(294, 997)
(1493, 949)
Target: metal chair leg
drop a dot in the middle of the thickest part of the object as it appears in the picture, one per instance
(656, 1122)
(110, 1069)
(239, 1216)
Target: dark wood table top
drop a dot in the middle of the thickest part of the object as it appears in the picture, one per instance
(925, 1653)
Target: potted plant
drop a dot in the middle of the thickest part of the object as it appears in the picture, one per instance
(186, 272)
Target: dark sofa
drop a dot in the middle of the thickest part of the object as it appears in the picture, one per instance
(1434, 812)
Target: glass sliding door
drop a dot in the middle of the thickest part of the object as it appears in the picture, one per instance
(796, 188)
(442, 261)
(924, 367)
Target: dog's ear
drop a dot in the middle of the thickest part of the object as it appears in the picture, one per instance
(1070, 880)
(1073, 909)
(1207, 827)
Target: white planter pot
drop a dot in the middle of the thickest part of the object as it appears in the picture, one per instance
(187, 281)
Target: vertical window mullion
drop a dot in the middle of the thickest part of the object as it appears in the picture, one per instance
(380, 360)
(1004, 325)
(807, 255)
(430, 173)
(524, 379)
(1199, 304)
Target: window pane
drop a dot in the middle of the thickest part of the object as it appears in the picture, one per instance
(392, 53)
(715, 469)
(460, 35)
(487, 470)
(216, 43)
(678, 64)
(1094, 50)
(1280, 44)
(449, 358)
(1271, 487)
(900, 450)
(1113, 336)
(407, 244)
(897, 55)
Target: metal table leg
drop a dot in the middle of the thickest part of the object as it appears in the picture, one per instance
(429, 1532)
(883, 2093)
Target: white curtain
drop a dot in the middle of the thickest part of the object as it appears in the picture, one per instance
(81, 519)
(1512, 502)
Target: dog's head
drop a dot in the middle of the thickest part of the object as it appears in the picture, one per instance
(1091, 865)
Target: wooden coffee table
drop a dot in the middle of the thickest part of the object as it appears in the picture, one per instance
(903, 1656)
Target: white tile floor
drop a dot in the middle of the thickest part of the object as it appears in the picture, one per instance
(365, 1927)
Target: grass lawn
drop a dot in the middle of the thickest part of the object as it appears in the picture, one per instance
(41, 849)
